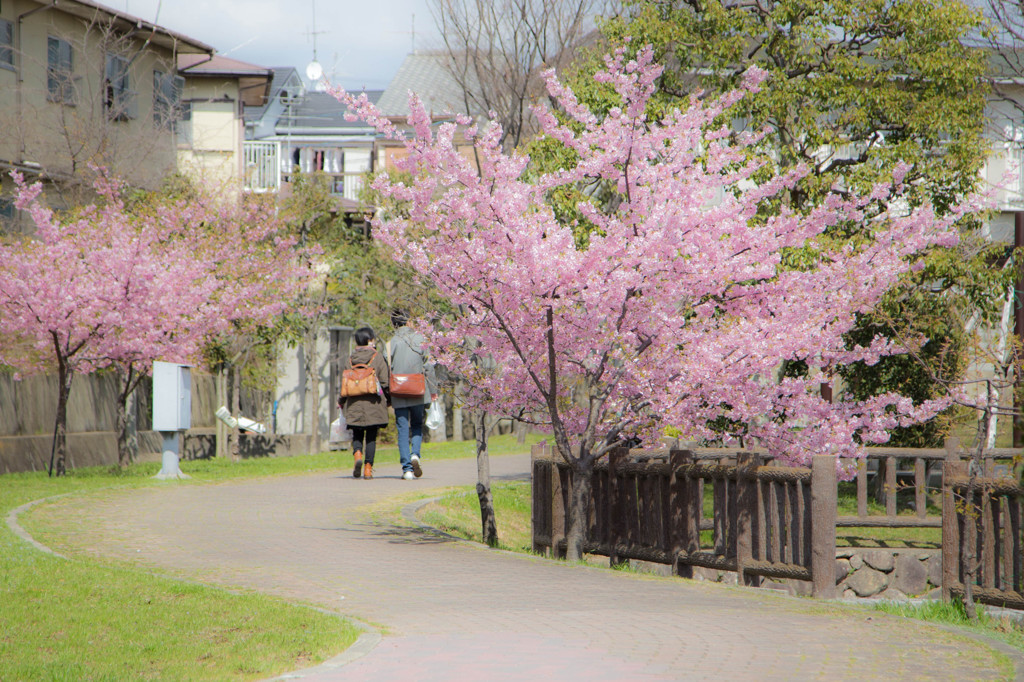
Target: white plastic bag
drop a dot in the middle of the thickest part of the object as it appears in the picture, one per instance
(435, 416)
(340, 433)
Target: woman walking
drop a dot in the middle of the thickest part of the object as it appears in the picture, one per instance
(366, 413)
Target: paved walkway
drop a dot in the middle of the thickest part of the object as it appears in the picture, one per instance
(452, 610)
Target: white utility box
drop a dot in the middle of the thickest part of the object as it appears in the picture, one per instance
(172, 397)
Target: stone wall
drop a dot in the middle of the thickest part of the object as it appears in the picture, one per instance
(893, 574)
(861, 573)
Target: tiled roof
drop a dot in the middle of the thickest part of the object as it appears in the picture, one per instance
(217, 65)
(321, 110)
(425, 74)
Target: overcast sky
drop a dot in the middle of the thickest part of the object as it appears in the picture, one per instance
(360, 43)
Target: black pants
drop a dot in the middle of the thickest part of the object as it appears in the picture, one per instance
(364, 438)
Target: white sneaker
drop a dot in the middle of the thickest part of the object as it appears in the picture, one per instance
(407, 475)
(417, 470)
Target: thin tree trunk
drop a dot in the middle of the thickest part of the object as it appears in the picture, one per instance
(972, 512)
(520, 429)
(58, 453)
(236, 409)
(222, 436)
(488, 523)
(312, 390)
(127, 432)
(457, 434)
(1003, 353)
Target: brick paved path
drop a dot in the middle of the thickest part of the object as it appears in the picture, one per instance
(451, 610)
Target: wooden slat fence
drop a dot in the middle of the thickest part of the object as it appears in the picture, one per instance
(906, 471)
(985, 512)
(775, 521)
(766, 520)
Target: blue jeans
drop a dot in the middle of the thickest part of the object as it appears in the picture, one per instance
(409, 421)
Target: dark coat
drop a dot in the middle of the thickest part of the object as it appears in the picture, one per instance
(367, 410)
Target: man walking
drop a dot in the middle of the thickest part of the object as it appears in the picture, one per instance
(407, 356)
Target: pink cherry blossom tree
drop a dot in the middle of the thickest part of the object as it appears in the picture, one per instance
(682, 300)
(109, 288)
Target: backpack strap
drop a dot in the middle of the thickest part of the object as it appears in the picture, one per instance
(362, 365)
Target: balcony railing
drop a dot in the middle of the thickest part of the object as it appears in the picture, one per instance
(261, 166)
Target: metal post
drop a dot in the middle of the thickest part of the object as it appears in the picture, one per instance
(1018, 325)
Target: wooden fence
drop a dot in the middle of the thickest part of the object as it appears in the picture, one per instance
(766, 520)
(912, 471)
(984, 512)
(780, 522)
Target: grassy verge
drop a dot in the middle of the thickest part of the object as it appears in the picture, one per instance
(990, 622)
(81, 619)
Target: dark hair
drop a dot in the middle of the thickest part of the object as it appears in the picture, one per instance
(399, 317)
(364, 335)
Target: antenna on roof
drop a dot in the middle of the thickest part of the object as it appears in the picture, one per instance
(314, 71)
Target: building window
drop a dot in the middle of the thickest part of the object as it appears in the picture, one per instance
(184, 125)
(6, 44)
(119, 100)
(60, 82)
(166, 99)
(7, 215)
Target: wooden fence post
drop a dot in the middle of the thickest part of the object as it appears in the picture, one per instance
(746, 512)
(823, 526)
(539, 507)
(862, 487)
(890, 486)
(685, 522)
(616, 525)
(558, 502)
(951, 468)
(920, 487)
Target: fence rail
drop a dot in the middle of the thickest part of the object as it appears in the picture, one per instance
(780, 522)
(766, 521)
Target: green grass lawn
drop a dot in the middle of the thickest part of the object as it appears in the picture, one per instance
(83, 619)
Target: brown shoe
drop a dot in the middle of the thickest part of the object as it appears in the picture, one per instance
(357, 470)
(367, 471)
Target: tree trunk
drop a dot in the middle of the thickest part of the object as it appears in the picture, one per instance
(58, 452)
(236, 409)
(972, 512)
(127, 426)
(521, 429)
(457, 413)
(488, 523)
(312, 389)
(579, 508)
(1003, 353)
(222, 436)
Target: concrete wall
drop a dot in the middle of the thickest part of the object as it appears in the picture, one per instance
(291, 390)
(28, 409)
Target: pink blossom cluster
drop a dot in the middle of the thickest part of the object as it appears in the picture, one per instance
(680, 310)
(111, 287)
